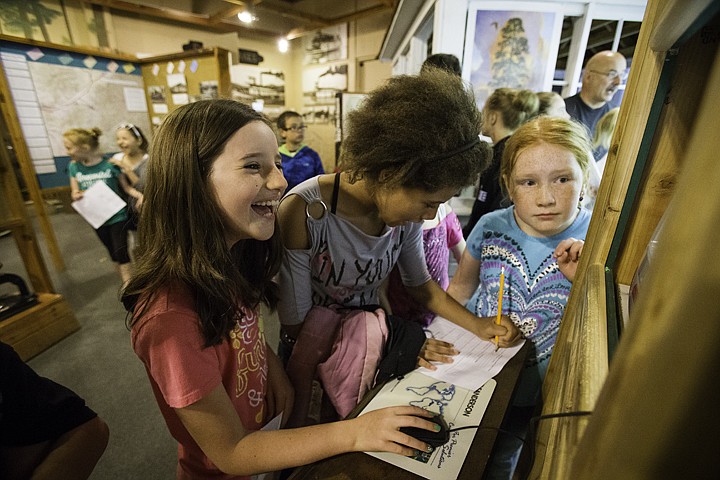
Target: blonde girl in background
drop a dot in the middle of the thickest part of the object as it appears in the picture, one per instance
(132, 160)
(87, 167)
(601, 140)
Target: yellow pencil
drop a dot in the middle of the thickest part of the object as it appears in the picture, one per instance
(499, 310)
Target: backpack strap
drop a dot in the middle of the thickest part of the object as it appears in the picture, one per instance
(336, 191)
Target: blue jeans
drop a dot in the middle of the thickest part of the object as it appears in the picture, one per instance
(506, 453)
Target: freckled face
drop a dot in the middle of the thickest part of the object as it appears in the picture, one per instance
(127, 142)
(545, 188)
(401, 205)
(247, 181)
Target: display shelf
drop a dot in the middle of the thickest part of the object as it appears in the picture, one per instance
(39, 327)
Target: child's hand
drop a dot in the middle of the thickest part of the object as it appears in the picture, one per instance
(280, 394)
(567, 254)
(379, 430)
(435, 351)
(76, 195)
(507, 333)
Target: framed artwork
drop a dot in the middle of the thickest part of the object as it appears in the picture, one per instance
(42, 20)
(322, 82)
(260, 87)
(326, 45)
(514, 48)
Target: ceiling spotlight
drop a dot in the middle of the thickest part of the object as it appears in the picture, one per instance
(283, 45)
(246, 17)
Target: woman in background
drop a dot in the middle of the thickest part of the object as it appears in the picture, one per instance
(505, 110)
(552, 105)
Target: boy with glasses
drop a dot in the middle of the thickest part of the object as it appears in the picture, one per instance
(299, 161)
(604, 73)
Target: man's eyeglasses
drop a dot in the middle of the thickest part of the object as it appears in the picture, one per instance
(612, 74)
(296, 128)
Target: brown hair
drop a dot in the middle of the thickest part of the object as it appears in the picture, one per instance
(181, 229)
(566, 134)
(446, 61)
(411, 133)
(514, 106)
(285, 116)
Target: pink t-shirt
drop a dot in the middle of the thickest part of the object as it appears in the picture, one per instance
(169, 342)
(437, 242)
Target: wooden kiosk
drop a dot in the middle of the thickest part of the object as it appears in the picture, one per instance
(33, 330)
(652, 395)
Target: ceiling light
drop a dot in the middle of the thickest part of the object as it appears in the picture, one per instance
(283, 45)
(246, 17)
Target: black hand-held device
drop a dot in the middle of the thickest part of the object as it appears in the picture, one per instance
(434, 439)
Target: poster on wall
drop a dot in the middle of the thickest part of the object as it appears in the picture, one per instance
(321, 83)
(44, 21)
(511, 48)
(325, 45)
(55, 90)
(262, 88)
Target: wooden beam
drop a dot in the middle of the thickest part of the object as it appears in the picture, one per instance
(229, 12)
(675, 20)
(178, 16)
(125, 57)
(27, 243)
(295, 15)
(299, 32)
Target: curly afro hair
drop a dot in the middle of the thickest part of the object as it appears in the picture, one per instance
(418, 132)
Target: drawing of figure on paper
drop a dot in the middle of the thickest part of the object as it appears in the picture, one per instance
(435, 396)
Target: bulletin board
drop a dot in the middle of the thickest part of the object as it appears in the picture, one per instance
(178, 79)
(54, 89)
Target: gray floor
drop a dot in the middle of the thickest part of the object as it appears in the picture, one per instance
(97, 362)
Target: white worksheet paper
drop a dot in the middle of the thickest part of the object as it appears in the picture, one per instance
(98, 204)
(458, 406)
(477, 361)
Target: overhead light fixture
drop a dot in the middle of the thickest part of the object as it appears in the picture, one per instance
(246, 17)
(283, 45)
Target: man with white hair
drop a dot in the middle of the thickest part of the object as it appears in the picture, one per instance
(604, 73)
